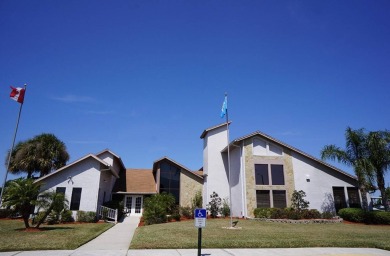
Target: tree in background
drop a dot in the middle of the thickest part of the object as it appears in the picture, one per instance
(41, 154)
(378, 147)
(354, 155)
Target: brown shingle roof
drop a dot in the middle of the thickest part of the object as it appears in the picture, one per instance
(140, 181)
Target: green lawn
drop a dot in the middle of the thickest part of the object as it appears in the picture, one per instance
(50, 237)
(259, 234)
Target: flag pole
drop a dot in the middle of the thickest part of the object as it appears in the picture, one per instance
(228, 151)
(12, 148)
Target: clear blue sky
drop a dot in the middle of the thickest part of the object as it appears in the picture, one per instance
(145, 78)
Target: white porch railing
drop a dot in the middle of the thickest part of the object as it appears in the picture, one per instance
(105, 212)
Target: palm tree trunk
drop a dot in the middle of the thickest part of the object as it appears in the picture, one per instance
(382, 189)
(363, 193)
(25, 220)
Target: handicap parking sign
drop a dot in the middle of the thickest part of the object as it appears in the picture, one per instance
(200, 218)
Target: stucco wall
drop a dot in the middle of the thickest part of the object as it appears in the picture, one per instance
(213, 164)
(85, 175)
(189, 185)
(317, 181)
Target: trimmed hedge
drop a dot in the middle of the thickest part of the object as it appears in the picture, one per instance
(286, 213)
(360, 216)
(89, 217)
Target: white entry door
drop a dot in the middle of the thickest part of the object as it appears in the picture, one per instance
(133, 205)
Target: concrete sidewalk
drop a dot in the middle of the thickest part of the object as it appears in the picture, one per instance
(212, 252)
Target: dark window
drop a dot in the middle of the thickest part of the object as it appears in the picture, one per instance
(170, 180)
(279, 198)
(277, 174)
(339, 198)
(60, 190)
(261, 174)
(262, 198)
(75, 202)
(353, 197)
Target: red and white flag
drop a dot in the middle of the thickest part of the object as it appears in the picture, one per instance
(17, 94)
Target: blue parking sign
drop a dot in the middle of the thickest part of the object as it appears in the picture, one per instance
(200, 213)
(200, 218)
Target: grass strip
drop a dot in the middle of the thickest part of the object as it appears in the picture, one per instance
(13, 236)
(261, 234)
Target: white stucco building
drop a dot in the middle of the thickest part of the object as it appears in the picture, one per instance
(264, 172)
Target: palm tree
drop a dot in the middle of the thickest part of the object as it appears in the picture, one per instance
(42, 154)
(354, 155)
(51, 201)
(378, 147)
(21, 196)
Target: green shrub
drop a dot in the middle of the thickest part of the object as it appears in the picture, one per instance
(157, 207)
(38, 217)
(66, 216)
(186, 212)
(327, 215)
(176, 216)
(377, 217)
(225, 209)
(197, 201)
(52, 218)
(214, 206)
(293, 214)
(310, 214)
(278, 213)
(89, 217)
(297, 200)
(263, 213)
(352, 214)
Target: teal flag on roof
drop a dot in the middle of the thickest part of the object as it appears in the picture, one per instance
(224, 107)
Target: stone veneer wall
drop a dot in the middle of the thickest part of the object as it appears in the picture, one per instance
(189, 185)
(251, 187)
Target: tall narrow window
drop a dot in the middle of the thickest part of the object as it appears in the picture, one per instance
(60, 190)
(277, 174)
(339, 198)
(76, 197)
(261, 174)
(262, 198)
(279, 197)
(170, 180)
(353, 197)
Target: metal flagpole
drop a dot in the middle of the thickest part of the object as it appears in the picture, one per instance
(12, 148)
(228, 149)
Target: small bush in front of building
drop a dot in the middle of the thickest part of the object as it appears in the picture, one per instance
(327, 215)
(378, 217)
(176, 216)
(298, 202)
(214, 206)
(38, 217)
(352, 214)
(225, 209)
(310, 214)
(157, 207)
(263, 213)
(67, 216)
(186, 212)
(89, 217)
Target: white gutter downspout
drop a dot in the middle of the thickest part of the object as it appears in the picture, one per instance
(243, 180)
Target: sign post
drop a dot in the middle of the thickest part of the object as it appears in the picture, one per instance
(200, 222)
